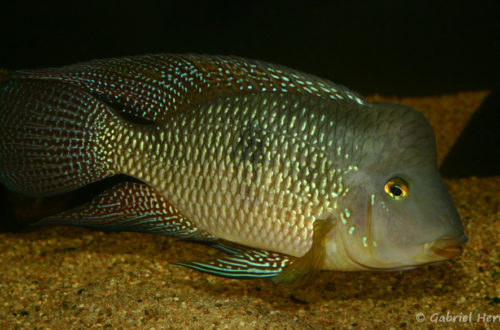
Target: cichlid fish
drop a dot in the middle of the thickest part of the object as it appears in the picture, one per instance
(288, 173)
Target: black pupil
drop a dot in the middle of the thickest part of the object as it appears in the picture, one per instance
(396, 191)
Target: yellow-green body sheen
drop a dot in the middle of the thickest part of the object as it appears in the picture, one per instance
(249, 170)
(230, 150)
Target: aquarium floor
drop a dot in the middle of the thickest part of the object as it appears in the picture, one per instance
(77, 278)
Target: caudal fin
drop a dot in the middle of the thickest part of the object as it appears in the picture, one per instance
(50, 135)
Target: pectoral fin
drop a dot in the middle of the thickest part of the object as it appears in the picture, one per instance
(137, 207)
(254, 263)
(131, 206)
(303, 269)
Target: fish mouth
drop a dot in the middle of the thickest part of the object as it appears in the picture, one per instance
(448, 247)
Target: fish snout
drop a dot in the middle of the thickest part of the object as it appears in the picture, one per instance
(448, 247)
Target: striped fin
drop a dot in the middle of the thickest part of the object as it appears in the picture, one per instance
(245, 263)
(153, 87)
(49, 137)
(131, 206)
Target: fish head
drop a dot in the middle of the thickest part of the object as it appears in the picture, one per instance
(398, 213)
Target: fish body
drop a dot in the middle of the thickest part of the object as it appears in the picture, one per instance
(301, 173)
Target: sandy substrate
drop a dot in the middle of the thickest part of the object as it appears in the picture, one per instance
(71, 277)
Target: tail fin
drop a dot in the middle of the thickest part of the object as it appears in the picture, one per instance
(49, 136)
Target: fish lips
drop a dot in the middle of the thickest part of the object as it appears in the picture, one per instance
(448, 247)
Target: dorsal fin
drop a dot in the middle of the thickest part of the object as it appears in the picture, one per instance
(154, 87)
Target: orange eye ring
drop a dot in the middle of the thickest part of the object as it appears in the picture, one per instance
(396, 188)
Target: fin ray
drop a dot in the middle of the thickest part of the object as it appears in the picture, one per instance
(48, 131)
(131, 206)
(243, 263)
(154, 87)
(303, 269)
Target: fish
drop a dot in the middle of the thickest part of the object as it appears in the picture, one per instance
(288, 173)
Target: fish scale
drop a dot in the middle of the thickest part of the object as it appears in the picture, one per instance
(269, 202)
(287, 172)
(153, 86)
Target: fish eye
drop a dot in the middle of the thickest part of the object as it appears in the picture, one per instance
(396, 188)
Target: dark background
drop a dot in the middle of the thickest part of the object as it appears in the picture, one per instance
(404, 48)
(386, 47)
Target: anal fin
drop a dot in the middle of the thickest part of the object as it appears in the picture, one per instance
(131, 206)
